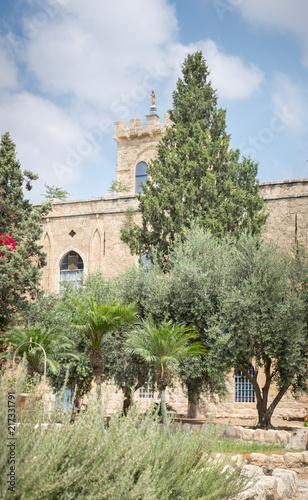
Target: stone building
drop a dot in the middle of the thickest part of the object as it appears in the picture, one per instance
(81, 236)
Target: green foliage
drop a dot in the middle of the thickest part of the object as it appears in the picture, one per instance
(129, 212)
(42, 311)
(102, 289)
(127, 372)
(54, 341)
(248, 302)
(195, 175)
(133, 459)
(189, 293)
(20, 270)
(118, 187)
(156, 409)
(75, 372)
(262, 319)
(198, 272)
(95, 320)
(55, 192)
(162, 347)
(149, 288)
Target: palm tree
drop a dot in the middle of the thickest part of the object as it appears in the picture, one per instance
(52, 340)
(95, 320)
(163, 347)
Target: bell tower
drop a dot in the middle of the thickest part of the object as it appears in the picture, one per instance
(137, 146)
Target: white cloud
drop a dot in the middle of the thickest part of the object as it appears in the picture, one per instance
(229, 75)
(96, 50)
(284, 15)
(42, 133)
(99, 51)
(290, 103)
(9, 73)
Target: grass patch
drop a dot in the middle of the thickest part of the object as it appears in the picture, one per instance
(234, 447)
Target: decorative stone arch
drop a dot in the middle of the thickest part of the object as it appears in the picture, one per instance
(47, 243)
(95, 250)
(47, 240)
(60, 258)
(146, 154)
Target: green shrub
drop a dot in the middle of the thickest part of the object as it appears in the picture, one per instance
(134, 459)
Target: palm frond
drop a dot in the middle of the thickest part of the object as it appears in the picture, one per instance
(165, 345)
(95, 320)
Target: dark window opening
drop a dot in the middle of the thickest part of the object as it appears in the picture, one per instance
(141, 176)
(71, 268)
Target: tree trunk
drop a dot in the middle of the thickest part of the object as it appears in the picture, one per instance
(97, 363)
(126, 401)
(164, 409)
(193, 394)
(98, 381)
(193, 408)
(76, 407)
(96, 360)
(264, 418)
(264, 413)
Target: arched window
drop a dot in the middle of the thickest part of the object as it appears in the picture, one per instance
(244, 391)
(141, 175)
(71, 268)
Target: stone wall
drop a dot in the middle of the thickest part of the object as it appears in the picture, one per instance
(135, 144)
(92, 229)
(287, 203)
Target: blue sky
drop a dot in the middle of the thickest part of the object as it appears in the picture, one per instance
(70, 68)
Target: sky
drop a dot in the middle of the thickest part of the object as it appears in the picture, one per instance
(70, 68)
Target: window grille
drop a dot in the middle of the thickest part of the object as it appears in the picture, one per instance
(244, 391)
(146, 391)
(71, 268)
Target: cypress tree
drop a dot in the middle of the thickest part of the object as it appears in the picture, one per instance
(195, 174)
(20, 262)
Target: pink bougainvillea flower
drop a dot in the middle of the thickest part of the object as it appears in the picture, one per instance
(7, 241)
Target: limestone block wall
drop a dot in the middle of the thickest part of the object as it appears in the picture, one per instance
(287, 203)
(136, 143)
(92, 229)
(114, 399)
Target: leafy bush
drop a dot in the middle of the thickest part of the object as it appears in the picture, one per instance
(134, 459)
